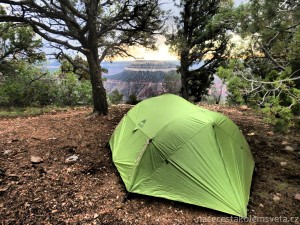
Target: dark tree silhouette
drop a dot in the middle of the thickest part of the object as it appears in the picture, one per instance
(200, 42)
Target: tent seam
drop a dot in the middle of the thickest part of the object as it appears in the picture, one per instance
(198, 108)
(225, 168)
(175, 151)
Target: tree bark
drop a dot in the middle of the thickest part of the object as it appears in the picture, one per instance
(184, 69)
(184, 55)
(98, 90)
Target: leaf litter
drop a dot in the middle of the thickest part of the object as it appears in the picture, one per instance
(48, 189)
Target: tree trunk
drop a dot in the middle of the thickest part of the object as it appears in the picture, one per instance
(184, 69)
(99, 94)
(98, 90)
(184, 88)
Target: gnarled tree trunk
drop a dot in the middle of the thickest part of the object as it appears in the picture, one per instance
(98, 90)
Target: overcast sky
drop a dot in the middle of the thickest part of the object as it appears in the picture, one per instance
(238, 2)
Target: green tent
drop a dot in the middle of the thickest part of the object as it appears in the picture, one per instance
(167, 147)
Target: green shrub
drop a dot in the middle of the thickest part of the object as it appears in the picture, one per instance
(133, 100)
(72, 92)
(26, 85)
(280, 116)
(115, 97)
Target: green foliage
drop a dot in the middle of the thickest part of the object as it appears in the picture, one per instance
(22, 83)
(72, 91)
(294, 55)
(18, 42)
(77, 67)
(133, 100)
(278, 99)
(278, 115)
(236, 86)
(266, 73)
(115, 97)
(27, 85)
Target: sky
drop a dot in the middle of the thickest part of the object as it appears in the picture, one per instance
(238, 2)
(163, 52)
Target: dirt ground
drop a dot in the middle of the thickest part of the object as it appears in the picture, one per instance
(38, 185)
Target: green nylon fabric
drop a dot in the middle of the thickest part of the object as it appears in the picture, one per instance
(167, 147)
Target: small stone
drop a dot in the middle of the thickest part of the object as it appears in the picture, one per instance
(270, 133)
(6, 152)
(284, 143)
(297, 197)
(52, 138)
(96, 215)
(289, 148)
(244, 107)
(72, 158)
(283, 163)
(54, 211)
(119, 205)
(36, 159)
(276, 198)
(261, 205)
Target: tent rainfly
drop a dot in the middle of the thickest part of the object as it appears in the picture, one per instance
(167, 147)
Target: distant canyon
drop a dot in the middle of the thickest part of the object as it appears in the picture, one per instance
(144, 79)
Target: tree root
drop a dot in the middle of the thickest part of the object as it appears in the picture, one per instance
(93, 115)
